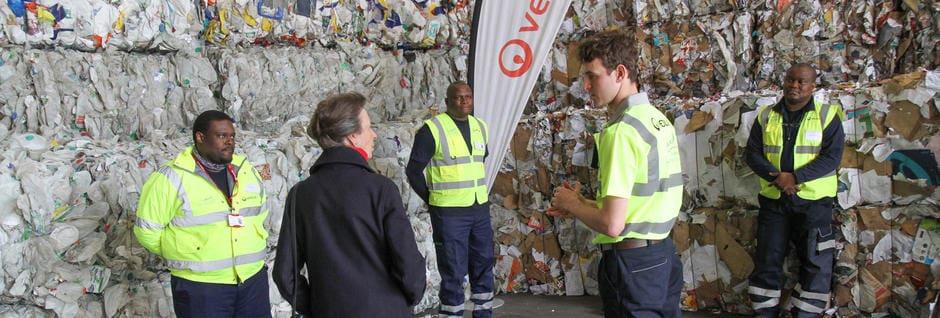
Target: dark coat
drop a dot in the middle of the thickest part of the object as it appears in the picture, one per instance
(354, 238)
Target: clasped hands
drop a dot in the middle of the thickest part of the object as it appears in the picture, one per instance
(566, 198)
(786, 182)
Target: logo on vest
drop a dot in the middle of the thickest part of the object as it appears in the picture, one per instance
(659, 124)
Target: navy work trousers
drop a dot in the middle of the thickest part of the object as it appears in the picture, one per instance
(809, 228)
(464, 244)
(197, 299)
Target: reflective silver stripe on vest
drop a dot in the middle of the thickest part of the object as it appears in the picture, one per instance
(445, 146)
(447, 161)
(648, 227)
(764, 116)
(831, 173)
(823, 114)
(653, 182)
(206, 266)
(144, 224)
(661, 185)
(250, 211)
(807, 149)
(811, 295)
(457, 184)
(177, 183)
(213, 217)
(188, 219)
(772, 149)
(264, 194)
(238, 167)
(482, 128)
(754, 290)
(196, 220)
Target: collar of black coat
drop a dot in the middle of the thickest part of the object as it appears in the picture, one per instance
(340, 155)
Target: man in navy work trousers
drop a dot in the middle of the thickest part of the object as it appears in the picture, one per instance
(203, 212)
(795, 147)
(452, 146)
(640, 192)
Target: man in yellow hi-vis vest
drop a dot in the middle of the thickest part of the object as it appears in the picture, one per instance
(452, 146)
(203, 212)
(640, 191)
(795, 147)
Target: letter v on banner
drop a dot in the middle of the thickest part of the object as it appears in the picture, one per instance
(509, 42)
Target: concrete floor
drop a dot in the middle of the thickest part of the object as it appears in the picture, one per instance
(523, 305)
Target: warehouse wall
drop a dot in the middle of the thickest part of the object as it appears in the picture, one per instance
(95, 95)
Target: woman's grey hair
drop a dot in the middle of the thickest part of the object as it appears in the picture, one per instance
(336, 117)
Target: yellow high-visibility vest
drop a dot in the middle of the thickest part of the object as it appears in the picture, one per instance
(456, 175)
(183, 217)
(639, 161)
(805, 150)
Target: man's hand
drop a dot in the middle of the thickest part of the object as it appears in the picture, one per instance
(558, 213)
(786, 182)
(588, 139)
(566, 198)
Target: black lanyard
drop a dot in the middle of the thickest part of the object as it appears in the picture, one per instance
(790, 130)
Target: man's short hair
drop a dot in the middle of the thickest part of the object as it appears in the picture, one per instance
(612, 48)
(805, 66)
(452, 89)
(203, 120)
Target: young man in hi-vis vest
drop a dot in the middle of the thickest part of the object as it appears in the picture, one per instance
(640, 194)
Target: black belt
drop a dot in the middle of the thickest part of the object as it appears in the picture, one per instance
(627, 244)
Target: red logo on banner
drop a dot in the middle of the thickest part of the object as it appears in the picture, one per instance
(524, 61)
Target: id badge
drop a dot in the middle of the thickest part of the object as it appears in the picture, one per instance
(235, 220)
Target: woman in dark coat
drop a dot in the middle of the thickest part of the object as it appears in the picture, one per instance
(351, 230)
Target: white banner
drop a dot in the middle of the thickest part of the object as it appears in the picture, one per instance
(509, 43)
